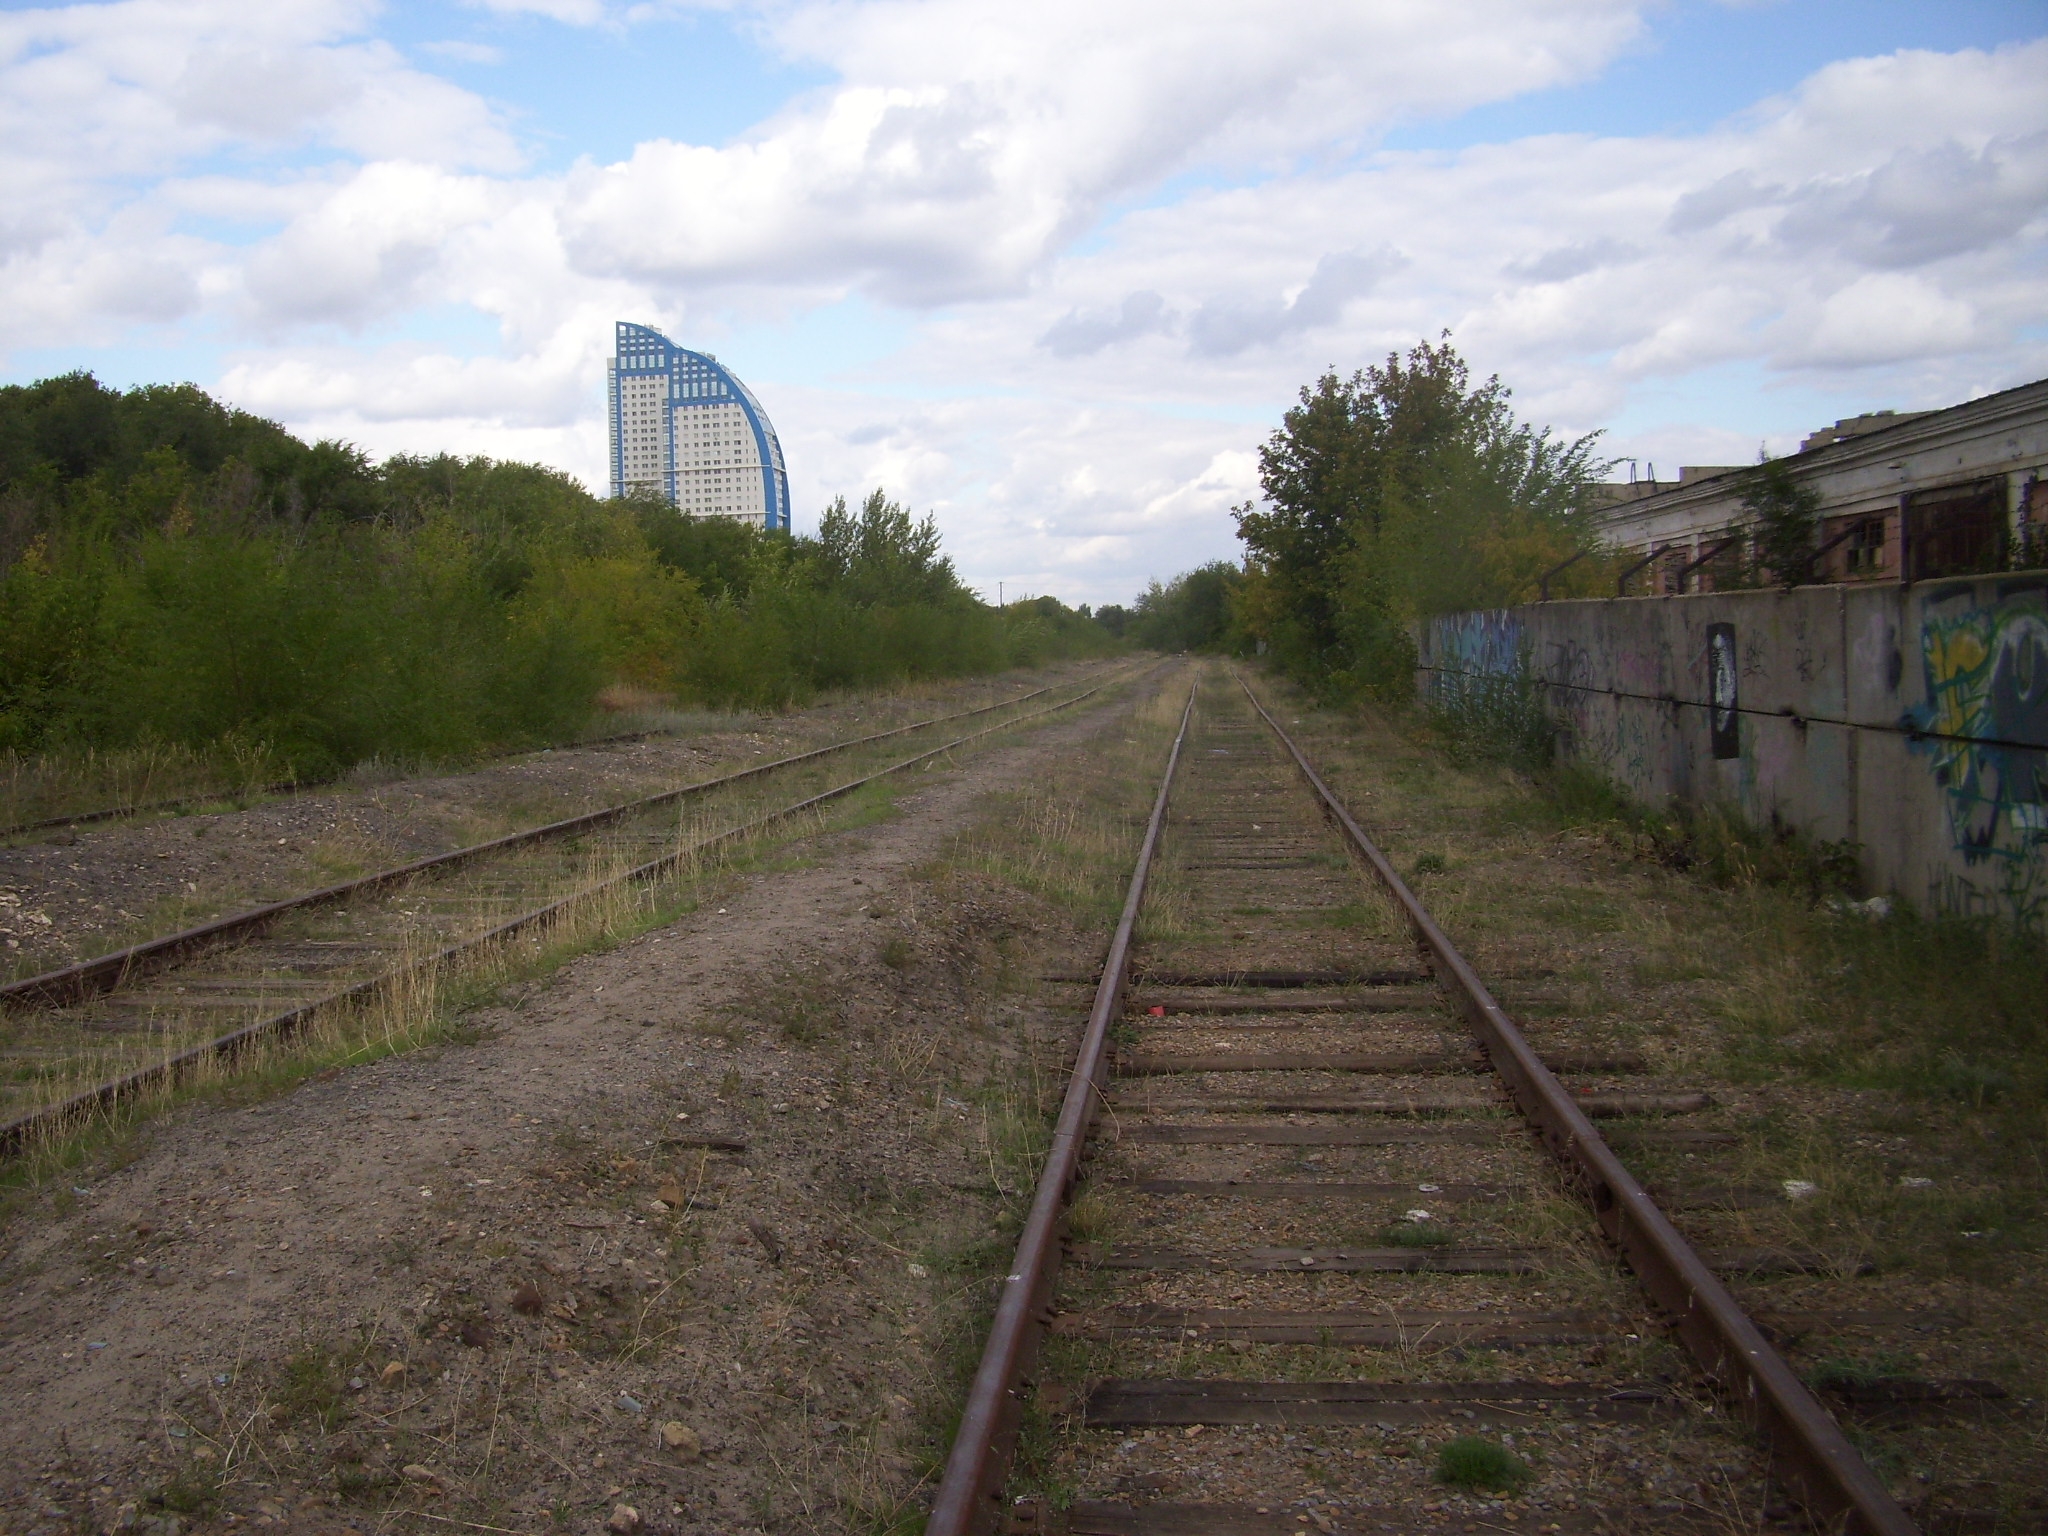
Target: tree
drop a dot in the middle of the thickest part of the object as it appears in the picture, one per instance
(1785, 514)
(1190, 613)
(879, 555)
(1402, 491)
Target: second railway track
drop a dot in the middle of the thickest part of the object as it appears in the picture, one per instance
(85, 1035)
(1320, 1226)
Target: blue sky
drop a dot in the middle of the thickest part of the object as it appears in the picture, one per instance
(1051, 272)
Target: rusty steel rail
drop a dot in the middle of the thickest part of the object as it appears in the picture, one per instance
(87, 978)
(17, 1133)
(1808, 1451)
(969, 1491)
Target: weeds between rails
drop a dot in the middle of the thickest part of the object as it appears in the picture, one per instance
(1193, 1349)
(120, 1035)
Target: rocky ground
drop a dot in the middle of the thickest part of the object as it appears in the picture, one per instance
(674, 1243)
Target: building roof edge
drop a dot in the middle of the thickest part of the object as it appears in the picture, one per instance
(1844, 452)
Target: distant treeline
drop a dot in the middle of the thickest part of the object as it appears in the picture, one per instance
(1403, 491)
(173, 570)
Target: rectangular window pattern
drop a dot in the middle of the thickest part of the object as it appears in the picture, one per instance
(684, 429)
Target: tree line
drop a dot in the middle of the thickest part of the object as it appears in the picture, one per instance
(174, 570)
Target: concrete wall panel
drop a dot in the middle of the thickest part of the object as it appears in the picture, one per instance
(1910, 720)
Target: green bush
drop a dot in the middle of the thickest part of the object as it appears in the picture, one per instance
(1403, 491)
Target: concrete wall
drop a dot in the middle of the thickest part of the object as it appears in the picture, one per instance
(1910, 720)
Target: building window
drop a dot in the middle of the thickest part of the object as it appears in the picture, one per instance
(1864, 551)
(1955, 530)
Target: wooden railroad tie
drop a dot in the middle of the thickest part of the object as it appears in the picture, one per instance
(1365, 1259)
(1392, 1063)
(1225, 1134)
(1127, 1403)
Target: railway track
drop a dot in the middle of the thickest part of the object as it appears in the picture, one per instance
(80, 1038)
(251, 795)
(1325, 1241)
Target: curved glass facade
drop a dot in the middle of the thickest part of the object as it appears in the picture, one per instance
(684, 428)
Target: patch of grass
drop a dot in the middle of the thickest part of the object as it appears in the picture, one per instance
(1478, 1465)
(1090, 1217)
(1860, 1370)
(1971, 1080)
(1350, 914)
(1498, 719)
(66, 781)
(1428, 864)
(1418, 1234)
(896, 952)
(314, 1384)
(794, 1001)
(1712, 842)
(194, 1489)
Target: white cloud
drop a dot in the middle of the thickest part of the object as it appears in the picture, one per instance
(970, 141)
(1885, 317)
(372, 246)
(575, 13)
(463, 51)
(1223, 327)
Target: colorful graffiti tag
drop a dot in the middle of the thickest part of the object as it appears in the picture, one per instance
(1465, 646)
(1985, 725)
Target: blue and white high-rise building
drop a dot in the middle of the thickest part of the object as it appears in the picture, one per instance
(685, 429)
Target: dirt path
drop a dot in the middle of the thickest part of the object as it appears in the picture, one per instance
(65, 895)
(618, 1259)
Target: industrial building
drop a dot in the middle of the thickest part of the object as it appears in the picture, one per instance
(1903, 496)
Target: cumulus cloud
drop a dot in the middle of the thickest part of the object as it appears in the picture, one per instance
(1079, 334)
(1562, 263)
(970, 141)
(575, 13)
(1227, 326)
(92, 92)
(1924, 203)
(1884, 317)
(370, 247)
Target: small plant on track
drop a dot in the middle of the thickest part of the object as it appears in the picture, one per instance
(1412, 1233)
(1480, 1466)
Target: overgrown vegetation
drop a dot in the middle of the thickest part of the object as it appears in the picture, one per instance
(176, 572)
(1500, 717)
(1404, 491)
(1884, 1074)
(1784, 514)
(1193, 612)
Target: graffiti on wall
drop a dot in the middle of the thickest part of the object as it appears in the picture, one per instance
(1985, 717)
(1485, 644)
(1724, 709)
